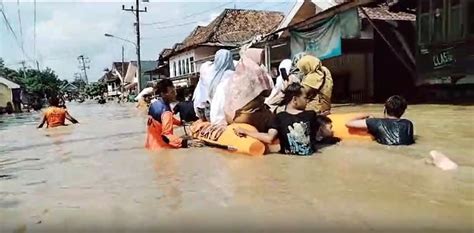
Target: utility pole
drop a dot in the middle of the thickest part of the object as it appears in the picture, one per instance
(82, 66)
(137, 11)
(123, 63)
(123, 70)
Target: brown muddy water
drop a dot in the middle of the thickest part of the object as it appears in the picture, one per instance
(96, 176)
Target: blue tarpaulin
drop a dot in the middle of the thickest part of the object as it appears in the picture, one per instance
(323, 39)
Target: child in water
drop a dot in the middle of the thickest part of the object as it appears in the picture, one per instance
(185, 109)
(296, 128)
(55, 115)
(390, 130)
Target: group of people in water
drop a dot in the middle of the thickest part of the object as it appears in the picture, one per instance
(294, 110)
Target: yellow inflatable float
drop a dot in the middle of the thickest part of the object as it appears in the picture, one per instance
(344, 133)
(225, 136)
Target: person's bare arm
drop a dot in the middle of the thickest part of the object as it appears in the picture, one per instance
(358, 122)
(43, 121)
(71, 119)
(263, 137)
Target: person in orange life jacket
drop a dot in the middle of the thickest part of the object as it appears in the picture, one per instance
(55, 115)
(161, 119)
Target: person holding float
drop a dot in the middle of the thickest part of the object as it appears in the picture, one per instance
(161, 120)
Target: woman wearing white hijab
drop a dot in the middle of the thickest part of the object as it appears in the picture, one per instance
(201, 93)
(222, 70)
(284, 65)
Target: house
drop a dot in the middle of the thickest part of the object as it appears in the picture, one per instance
(229, 30)
(149, 76)
(113, 82)
(444, 47)
(369, 50)
(70, 89)
(10, 92)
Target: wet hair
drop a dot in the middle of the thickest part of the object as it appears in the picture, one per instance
(54, 101)
(323, 120)
(163, 85)
(395, 106)
(293, 90)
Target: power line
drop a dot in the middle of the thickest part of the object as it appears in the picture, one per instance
(10, 28)
(197, 21)
(177, 25)
(34, 30)
(187, 16)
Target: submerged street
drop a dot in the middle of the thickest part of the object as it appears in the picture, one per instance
(98, 176)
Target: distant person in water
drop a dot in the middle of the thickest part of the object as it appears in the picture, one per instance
(390, 130)
(9, 108)
(185, 109)
(55, 115)
(161, 119)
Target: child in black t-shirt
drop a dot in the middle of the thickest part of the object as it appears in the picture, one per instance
(295, 127)
(390, 130)
(185, 109)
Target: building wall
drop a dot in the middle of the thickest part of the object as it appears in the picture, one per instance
(352, 77)
(5, 95)
(182, 63)
(203, 52)
(190, 56)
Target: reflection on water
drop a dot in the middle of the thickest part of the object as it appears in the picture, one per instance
(98, 173)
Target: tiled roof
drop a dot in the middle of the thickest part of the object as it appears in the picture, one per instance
(232, 26)
(166, 52)
(382, 13)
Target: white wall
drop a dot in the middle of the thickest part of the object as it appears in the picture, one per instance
(181, 59)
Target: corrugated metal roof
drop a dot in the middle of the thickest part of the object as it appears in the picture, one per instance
(9, 83)
(382, 13)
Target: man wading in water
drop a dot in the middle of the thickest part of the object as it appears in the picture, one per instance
(55, 115)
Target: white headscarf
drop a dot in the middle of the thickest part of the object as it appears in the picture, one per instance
(222, 62)
(285, 64)
(201, 93)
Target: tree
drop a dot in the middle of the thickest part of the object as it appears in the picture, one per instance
(79, 83)
(39, 83)
(95, 89)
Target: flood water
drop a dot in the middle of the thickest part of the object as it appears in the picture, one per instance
(96, 176)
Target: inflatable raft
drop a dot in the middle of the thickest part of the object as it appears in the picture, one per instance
(341, 131)
(225, 136)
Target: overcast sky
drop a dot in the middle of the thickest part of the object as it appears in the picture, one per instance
(67, 29)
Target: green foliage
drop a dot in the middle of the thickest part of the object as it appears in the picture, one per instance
(79, 83)
(95, 89)
(36, 82)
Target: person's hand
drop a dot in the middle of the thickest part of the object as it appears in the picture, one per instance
(240, 132)
(325, 113)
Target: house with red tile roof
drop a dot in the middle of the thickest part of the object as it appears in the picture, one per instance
(232, 28)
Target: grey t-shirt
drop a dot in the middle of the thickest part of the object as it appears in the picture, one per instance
(391, 131)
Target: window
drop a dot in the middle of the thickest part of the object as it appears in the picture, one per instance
(174, 69)
(180, 68)
(470, 17)
(437, 14)
(424, 22)
(187, 65)
(456, 25)
(191, 62)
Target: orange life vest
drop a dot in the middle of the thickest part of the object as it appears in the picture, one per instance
(55, 116)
